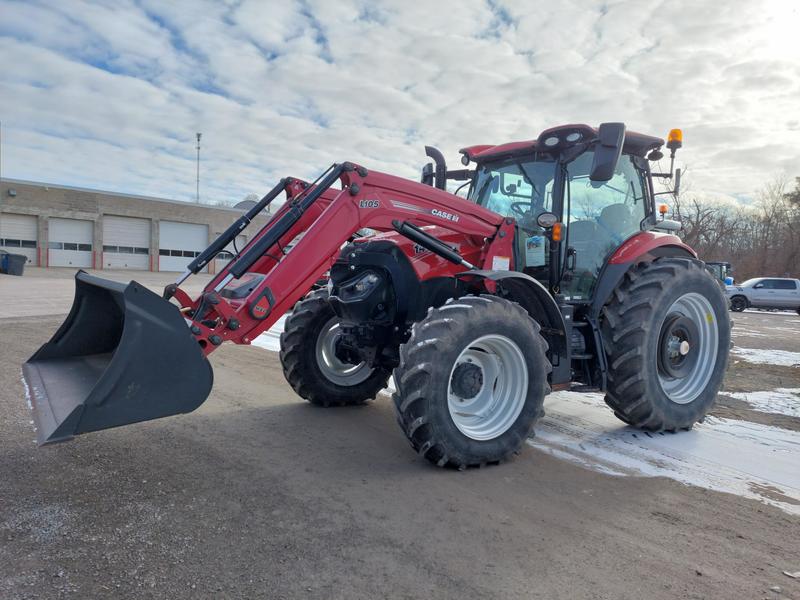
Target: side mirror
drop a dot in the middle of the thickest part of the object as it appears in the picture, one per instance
(758, 286)
(427, 175)
(611, 137)
(677, 188)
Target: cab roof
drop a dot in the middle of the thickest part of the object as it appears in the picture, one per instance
(637, 144)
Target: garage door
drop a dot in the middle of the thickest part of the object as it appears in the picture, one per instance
(224, 257)
(18, 235)
(126, 243)
(179, 243)
(69, 243)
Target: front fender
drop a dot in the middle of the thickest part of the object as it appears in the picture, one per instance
(540, 304)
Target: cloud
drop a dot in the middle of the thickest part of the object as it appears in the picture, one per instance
(110, 94)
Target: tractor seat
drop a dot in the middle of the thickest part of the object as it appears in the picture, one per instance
(589, 242)
(616, 221)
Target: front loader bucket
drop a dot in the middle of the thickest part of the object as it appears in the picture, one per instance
(123, 355)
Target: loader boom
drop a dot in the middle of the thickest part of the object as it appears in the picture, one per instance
(124, 355)
(326, 218)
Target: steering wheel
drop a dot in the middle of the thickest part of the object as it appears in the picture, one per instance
(524, 214)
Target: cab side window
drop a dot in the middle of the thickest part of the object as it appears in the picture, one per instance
(616, 207)
(602, 215)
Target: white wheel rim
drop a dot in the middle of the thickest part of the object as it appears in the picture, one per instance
(335, 370)
(698, 309)
(502, 391)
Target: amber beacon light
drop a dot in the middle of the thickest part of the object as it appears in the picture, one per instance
(674, 139)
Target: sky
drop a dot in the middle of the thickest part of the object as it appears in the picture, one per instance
(109, 95)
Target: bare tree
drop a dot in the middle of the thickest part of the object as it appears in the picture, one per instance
(759, 240)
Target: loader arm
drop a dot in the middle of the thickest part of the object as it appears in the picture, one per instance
(327, 218)
(125, 355)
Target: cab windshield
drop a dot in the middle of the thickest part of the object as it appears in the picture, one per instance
(519, 188)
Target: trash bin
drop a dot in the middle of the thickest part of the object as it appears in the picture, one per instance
(13, 264)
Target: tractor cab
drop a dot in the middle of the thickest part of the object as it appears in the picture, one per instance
(722, 271)
(576, 194)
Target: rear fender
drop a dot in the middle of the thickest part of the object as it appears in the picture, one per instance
(540, 304)
(642, 247)
(649, 242)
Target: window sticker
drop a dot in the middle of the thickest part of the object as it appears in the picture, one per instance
(534, 251)
(501, 263)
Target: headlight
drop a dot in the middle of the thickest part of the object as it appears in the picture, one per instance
(360, 286)
(366, 283)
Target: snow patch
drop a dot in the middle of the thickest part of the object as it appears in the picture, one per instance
(271, 339)
(738, 457)
(738, 331)
(783, 358)
(768, 311)
(27, 392)
(784, 329)
(783, 401)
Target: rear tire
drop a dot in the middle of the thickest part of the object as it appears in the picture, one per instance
(444, 402)
(738, 303)
(310, 365)
(666, 333)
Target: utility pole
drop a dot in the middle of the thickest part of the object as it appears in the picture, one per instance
(199, 135)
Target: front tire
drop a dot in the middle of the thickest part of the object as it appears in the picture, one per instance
(471, 381)
(667, 335)
(738, 303)
(310, 365)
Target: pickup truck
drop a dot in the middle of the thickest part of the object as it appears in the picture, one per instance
(765, 292)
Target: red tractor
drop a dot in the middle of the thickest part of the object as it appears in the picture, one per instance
(553, 273)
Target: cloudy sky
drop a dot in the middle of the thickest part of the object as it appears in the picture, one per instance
(110, 94)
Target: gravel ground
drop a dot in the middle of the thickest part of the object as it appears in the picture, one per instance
(258, 494)
(768, 332)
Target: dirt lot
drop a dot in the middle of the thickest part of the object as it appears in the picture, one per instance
(258, 494)
(770, 332)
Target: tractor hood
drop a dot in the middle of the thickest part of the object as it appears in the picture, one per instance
(427, 264)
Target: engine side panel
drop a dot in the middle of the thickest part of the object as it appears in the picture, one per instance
(425, 263)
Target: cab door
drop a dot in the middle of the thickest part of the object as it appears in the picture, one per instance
(600, 217)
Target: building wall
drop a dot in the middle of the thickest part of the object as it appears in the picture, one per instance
(46, 201)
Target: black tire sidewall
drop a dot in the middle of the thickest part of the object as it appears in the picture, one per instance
(738, 303)
(474, 451)
(695, 280)
(320, 389)
(309, 349)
